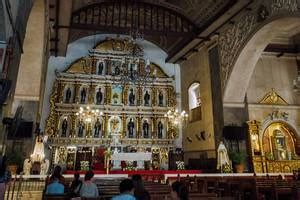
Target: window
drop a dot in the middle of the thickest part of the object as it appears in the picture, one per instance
(194, 102)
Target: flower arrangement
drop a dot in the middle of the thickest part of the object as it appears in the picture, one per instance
(84, 165)
(180, 165)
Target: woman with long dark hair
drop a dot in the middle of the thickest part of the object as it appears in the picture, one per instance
(4, 176)
(140, 192)
(179, 191)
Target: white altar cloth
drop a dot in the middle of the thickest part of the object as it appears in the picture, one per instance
(140, 156)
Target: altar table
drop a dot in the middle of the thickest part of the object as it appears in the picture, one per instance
(140, 157)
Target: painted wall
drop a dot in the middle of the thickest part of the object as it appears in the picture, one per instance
(272, 72)
(80, 48)
(196, 69)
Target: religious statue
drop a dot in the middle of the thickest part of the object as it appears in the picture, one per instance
(160, 98)
(131, 97)
(114, 123)
(130, 128)
(160, 128)
(44, 167)
(100, 68)
(99, 97)
(64, 128)
(68, 95)
(146, 98)
(98, 128)
(131, 70)
(117, 69)
(223, 158)
(27, 166)
(80, 128)
(83, 95)
(146, 129)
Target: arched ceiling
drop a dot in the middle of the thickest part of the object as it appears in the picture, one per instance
(174, 25)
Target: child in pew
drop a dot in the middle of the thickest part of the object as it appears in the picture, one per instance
(179, 191)
(88, 189)
(126, 191)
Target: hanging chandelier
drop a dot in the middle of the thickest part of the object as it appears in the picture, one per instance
(88, 115)
(177, 119)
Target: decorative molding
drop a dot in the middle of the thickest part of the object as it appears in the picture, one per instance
(273, 98)
(234, 37)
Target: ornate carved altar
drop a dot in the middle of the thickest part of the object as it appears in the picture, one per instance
(273, 141)
(131, 112)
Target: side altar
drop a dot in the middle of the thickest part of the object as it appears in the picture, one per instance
(128, 117)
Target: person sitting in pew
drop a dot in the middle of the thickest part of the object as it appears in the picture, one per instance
(88, 189)
(55, 188)
(179, 191)
(126, 191)
(140, 192)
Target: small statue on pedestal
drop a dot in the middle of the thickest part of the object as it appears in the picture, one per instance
(80, 128)
(83, 95)
(160, 98)
(64, 128)
(27, 166)
(68, 95)
(146, 98)
(131, 97)
(146, 129)
(100, 68)
(99, 97)
(160, 128)
(130, 128)
(98, 128)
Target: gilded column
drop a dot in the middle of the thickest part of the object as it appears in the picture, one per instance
(94, 63)
(124, 125)
(76, 93)
(171, 97)
(139, 127)
(154, 126)
(91, 94)
(125, 95)
(73, 126)
(154, 96)
(107, 94)
(61, 87)
(139, 95)
(105, 131)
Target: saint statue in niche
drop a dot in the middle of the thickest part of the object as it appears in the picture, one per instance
(146, 98)
(130, 128)
(131, 70)
(114, 124)
(64, 128)
(146, 129)
(68, 95)
(117, 68)
(99, 96)
(160, 98)
(80, 128)
(97, 128)
(131, 97)
(83, 95)
(160, 129)
(100, 68)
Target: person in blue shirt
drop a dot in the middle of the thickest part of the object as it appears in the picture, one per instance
(55, 188)
(88, 189)
(126, 191)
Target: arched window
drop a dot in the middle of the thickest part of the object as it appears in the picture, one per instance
(194, 102)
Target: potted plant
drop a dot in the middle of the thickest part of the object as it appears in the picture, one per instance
(238, 159)
(14, 161)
